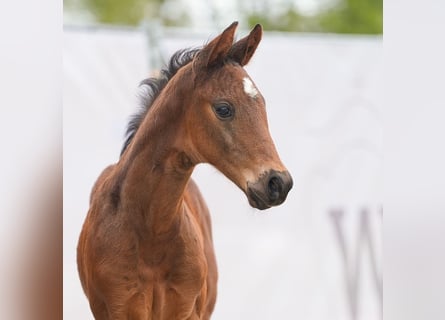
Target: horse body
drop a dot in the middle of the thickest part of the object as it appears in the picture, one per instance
(130, 272)
(146, 250)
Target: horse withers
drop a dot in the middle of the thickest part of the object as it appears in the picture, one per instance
(145, 250)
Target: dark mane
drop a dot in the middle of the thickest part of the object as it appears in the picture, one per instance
(153, 87)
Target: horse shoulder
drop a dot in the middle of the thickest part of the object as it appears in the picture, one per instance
(83, 259)
(100, 239)
(84, 243)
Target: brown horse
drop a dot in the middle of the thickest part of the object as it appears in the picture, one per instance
(145, 250)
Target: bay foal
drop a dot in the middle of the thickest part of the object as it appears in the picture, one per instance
(145, 250)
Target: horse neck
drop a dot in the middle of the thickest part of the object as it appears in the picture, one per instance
(155, 168)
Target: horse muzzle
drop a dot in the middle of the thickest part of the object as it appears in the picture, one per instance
(269, 190)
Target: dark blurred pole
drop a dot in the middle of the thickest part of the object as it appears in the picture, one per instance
(153, 31)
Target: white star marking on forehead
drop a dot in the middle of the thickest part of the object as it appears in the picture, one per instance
(249, 88)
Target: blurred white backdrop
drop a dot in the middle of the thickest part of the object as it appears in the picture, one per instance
(316, 257)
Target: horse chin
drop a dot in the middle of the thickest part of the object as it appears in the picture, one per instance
(256, 201)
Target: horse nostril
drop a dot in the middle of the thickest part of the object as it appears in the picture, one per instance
(274, 188)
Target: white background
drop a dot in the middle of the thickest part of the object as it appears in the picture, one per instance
(323, 97)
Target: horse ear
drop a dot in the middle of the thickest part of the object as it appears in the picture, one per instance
(216, 51)
(244, 49)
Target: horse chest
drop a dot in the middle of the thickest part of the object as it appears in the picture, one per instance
(179, 264)
(175, 287)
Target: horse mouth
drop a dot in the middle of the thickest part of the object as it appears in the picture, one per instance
(256, 201)
(270, 189)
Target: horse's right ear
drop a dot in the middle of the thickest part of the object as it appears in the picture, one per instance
(244, 49)
(215, 52)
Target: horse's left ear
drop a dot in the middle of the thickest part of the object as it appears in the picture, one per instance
(216, 51)
(244, 49)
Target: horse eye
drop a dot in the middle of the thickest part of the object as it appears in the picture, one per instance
(223, 111)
